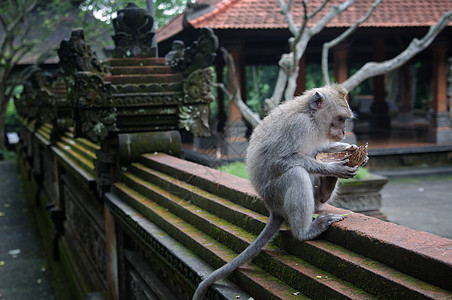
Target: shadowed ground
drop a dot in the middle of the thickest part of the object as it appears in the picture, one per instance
(23, 265)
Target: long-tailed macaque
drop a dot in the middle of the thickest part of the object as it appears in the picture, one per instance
(284, 172)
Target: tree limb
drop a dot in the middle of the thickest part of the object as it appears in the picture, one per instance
(233, 93)
(327, 46)
(372, 69)
(334, 11)
(285, 10)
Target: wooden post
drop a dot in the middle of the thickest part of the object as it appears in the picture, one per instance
(405, 115)
(301, 79)
(340, 64)
(340, 75)
(380, 120)
(440, 123)
(235, 129)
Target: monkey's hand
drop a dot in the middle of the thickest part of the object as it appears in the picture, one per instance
(340, 169)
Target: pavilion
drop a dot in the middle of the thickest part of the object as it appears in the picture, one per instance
(255, 32)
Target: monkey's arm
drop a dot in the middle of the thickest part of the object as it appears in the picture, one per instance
(338, 146)
(337, 169)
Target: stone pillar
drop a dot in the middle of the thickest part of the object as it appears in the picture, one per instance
(380, 120)
(301, 79)
(440, 122)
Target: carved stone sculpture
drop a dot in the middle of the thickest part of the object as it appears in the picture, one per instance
(201, 54)
(194, 113)
(75, 55)
(37, 92)
(92, 98)
(133, 32)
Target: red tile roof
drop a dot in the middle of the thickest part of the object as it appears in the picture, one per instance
(265, 14)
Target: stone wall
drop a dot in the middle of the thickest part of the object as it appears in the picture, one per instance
(124, 216)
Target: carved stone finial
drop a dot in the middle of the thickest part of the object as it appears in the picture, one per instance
(194, 113)
(201, 54)
(37, 90)
(75, 55)
(94, 114)
(133, 32)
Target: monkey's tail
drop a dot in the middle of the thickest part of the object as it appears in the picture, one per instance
(270, 229)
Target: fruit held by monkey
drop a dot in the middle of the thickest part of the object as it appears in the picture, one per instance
(356, 157)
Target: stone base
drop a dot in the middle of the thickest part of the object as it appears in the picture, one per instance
(440, 135)
(363, 196)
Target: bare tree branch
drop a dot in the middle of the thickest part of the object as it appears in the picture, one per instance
(315, 12)
(234, 93)
(302, 41)
(372, 69)
(285, 10)
(327, 46)
(333, 12)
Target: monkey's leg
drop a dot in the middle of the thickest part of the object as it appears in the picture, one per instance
(299, 206)
(327, 187)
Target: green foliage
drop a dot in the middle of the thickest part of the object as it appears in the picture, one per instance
(260, 83)
(106, 10)
(314, 77)
(236, 168)
(11, 116)
(239, 169)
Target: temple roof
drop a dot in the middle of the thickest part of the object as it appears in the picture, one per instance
(265, 14)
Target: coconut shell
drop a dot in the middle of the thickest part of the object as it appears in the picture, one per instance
(356, 157)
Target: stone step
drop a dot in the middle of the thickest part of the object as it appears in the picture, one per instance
(137, 79)
(140, 70)
(85, 143)
(136, 61)
(76, 158)
(227, 210)
(229, 187)
(357, 253)
(232, 236)
(79, 148)
(331, 255)
(201, 244)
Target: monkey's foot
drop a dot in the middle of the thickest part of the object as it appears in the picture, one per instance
(328, 219)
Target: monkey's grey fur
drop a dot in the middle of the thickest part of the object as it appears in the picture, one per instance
(284, 172)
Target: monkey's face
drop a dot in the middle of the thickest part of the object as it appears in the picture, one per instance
(337, 127)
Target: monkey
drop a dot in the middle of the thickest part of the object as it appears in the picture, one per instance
(283, 170)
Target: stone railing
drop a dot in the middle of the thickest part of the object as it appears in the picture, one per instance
(123, 216)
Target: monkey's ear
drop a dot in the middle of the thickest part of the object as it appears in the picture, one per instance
(316, 101)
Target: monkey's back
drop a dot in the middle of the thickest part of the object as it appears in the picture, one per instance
(279, 135)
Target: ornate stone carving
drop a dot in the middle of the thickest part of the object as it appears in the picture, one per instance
(94, 114)
(194, 63)
(89, 236)
(37, 91)
(194, 113)
(133, 32)
(197, 87)
(75, 55)
(201, 54)
(195, 119)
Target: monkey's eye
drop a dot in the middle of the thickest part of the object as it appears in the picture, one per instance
(341, 119)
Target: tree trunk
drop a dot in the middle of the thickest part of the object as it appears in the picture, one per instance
(3, 106)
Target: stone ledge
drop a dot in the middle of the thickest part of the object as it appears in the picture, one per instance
(419, 254)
